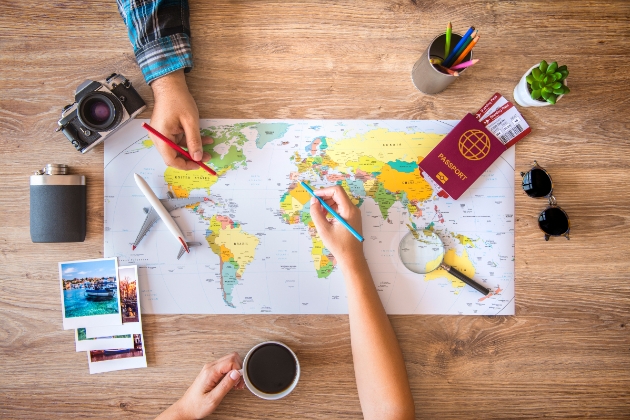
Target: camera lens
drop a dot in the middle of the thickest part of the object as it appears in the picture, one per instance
(99, 111)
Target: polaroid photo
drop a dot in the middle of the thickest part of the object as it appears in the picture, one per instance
(129, 307)
(84, 343)
(89, 293)
(118, 359)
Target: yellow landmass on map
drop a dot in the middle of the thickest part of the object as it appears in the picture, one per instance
(464, 240)
(382, 145)
(366, 164)
(300, 194)
(416, 188)
(322, 261)
(460, 262)
(181, 183)
(236, 244)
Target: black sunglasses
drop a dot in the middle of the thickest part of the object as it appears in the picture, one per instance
(553, 221)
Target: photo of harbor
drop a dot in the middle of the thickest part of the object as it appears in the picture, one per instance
(90, 288)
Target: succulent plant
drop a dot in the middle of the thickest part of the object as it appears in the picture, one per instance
(546, 81)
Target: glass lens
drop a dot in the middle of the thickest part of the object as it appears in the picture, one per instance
(536, 183)
(421, 251)
(99, 111)
(553, 221)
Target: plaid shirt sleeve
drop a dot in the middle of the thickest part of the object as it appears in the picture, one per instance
(159, 31)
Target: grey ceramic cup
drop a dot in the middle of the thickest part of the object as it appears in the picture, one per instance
(428, 79)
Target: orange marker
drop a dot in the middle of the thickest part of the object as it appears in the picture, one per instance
(466, 51)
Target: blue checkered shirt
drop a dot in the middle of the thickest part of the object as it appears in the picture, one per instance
(159, 31)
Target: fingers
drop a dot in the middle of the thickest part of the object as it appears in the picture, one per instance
(205, 141)
(318, 215)
(193, 137)
(229, 381)
(337, 195)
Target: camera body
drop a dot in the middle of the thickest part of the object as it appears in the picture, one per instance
(99, 109)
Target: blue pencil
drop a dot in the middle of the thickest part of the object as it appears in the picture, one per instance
(453, 53)
(331, 211)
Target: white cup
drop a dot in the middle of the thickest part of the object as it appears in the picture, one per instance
(260, 393)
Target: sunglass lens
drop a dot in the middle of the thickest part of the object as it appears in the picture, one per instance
(536, 183)
(553, 221)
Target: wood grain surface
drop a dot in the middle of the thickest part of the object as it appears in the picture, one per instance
(566, 353)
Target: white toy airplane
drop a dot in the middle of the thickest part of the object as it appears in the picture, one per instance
(171, 203)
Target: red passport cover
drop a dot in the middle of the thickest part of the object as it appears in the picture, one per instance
(462, 156)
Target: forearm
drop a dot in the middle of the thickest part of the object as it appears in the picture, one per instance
(159, 32)
(379, 367)
(174, 412)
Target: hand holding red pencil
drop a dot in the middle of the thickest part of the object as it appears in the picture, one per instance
(176, 116)
(177, 148)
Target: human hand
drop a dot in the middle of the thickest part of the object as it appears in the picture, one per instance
(337, 239)
(176, 116)
(214, 381)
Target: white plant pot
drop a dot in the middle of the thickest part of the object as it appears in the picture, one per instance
(522, 95)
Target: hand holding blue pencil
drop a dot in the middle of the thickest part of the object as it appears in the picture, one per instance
(332, 212)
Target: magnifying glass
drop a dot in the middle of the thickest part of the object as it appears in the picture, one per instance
(423, 252)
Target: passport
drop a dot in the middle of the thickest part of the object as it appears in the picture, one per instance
(462, 156)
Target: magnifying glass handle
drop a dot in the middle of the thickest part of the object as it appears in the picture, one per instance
(465, 279)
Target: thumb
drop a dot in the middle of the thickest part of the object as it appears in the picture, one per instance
(193, 138)
(318, 215)
(227, 383)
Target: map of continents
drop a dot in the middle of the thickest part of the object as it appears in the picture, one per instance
(376, 163)
(234, 247)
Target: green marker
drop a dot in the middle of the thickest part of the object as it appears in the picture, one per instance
(447, 48)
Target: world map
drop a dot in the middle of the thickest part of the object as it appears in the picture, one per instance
(260, 251)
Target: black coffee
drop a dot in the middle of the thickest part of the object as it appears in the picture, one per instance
(271, 368)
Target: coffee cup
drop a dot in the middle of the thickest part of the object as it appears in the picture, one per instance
(271, 370)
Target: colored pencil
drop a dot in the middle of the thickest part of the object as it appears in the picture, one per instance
(446, 70)
(461, 49)
(466, 51)
(435, 60)
(465, 64)
(332, 212)
(175, 146)
(447, 47)
(459, 44)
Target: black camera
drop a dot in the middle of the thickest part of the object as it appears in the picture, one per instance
(99, 109)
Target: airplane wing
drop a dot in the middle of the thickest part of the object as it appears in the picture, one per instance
(149, 221)
(170, 204)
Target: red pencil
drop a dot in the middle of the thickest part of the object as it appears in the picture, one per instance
(176, 147)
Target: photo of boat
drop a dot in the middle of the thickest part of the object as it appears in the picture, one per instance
(90, 288)
(103, 289)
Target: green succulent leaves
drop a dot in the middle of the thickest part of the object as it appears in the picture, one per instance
(546, 80)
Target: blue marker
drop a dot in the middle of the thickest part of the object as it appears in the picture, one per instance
(331, 211)
(461, 42)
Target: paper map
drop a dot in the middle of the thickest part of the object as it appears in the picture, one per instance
(259, 251)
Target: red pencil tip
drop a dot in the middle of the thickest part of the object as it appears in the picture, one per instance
(133, 247)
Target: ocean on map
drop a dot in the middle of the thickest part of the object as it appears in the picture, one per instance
(77, 304)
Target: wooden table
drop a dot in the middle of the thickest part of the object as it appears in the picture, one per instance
(565, 354)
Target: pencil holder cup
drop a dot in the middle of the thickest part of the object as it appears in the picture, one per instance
(426, 78)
